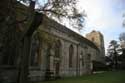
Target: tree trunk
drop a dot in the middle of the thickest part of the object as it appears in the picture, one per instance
(24, 71)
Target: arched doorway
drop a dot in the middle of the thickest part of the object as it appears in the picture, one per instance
(48, 73)
(89, 65)
(57, 57)
(81, 62)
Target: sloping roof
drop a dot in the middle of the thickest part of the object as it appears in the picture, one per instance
(67, 31)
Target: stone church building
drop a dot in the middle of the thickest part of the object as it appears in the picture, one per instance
(56, 52)
(59, 52)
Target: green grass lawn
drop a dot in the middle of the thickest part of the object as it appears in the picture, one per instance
(106, 77)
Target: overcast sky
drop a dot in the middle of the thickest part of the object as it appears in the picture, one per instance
(104, 16)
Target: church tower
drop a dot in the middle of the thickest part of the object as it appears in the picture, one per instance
(97, 38)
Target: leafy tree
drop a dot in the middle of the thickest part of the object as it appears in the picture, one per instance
(122, 40)
(113, 52)
(108, 61)
(122, 44)
(61, 9)
(122, 36)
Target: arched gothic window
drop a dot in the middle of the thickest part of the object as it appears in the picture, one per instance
(58, 49)
(35, 51)
(89, 57)
(82, 57)
(93, 39)
(71, 50)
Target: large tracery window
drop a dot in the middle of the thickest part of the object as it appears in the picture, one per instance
(93, 39)
(89, 57)
(58, 49)
(35, 51)
(82, 57)
(71, 50)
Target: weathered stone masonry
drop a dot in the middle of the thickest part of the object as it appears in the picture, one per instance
(62, 52)
(56, 52)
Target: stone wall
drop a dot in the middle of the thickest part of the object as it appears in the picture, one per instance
(53, 47)
(83, 51)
